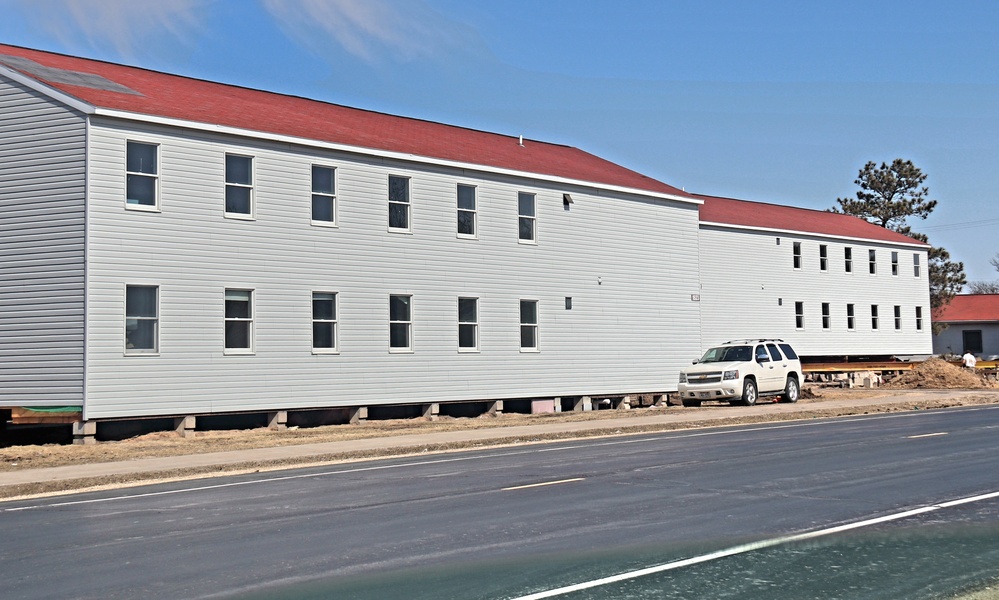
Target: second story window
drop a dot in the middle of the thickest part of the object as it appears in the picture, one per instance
(823, 257)
(848, 259)
(915, 265)
(872, 261)
(527, 223)
(141, 175)
(323, 195)
(399, 219)
(796, 251)
(894, 264)
(238, 185)
(467, 212)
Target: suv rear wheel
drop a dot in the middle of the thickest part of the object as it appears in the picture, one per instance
(791, 390)
(749, 392)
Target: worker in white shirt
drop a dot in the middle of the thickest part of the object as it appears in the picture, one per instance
(969, 360)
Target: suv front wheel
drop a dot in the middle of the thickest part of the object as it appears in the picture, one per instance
(749, 392)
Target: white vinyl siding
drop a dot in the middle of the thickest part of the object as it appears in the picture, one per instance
(42, 256)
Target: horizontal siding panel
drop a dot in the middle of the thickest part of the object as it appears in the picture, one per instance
(42, 224)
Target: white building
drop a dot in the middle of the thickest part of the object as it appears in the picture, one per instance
(172, 246)
(833, 285)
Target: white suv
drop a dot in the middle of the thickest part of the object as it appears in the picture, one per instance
(741, 371)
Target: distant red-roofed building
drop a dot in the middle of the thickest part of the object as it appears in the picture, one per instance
(972, 322)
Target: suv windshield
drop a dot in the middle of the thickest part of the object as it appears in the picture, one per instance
(728, 354)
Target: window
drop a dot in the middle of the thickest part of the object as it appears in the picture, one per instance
(238, 320)
(323, 195)
(898, 318)
(823, 257)
(894, 264)
(874, 317)
(972, 340)
(850, 322)
(468, 324)
(324, 321)
(919, 318)
(915, 265)
(467, 214)
(527, 209)
(799, 315)
(528, 325)
(141, 319)
(796, 252)
(826, 318)
(238, 185)
(141, 175)
(398, 203)
(400, 323)
(872, 260)
(848, 259)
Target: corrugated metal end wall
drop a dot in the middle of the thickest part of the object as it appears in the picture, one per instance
(42, 229)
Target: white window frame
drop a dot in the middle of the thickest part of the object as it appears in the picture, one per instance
(799, 315)
(332, 323)
(530, 219)
(474, 212)
(875, 319)
(826, 315)
(915, 265)
(248, 320)
(872, 261)
(155, 176)
(407, 204)
(848, 259)
(239, 185)
(919, 318)
(823, 257)
(898, 317)
(894, 264)
(851, 318)
(155, 319)
(467, 325)
(406, 324)
(796, 255)
(323, 195)
(533, 327)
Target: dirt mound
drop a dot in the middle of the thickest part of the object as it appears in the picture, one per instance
(936, 373)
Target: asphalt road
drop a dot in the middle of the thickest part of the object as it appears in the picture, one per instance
(513, 522)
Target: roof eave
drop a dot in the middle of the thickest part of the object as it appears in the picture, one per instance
(289, 139)
(914, 244)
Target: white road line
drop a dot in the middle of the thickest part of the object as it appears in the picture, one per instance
(542, 484)
(751, 547)
(913, 437)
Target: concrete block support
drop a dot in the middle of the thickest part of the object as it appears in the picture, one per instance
(358, 414)
(494, 407)
(184, 426)
(558, 405)
(85, 432)
(431, 411)
(582, 403)
(277, 421)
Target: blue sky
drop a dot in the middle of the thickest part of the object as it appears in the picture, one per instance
(775, 101)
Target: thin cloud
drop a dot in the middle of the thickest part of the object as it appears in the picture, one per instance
(372, 30)
(123, 25)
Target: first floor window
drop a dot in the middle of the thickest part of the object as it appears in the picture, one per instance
(850, 321)
(919, 318)
(238, 185)
(400, 322)
(898, 318)
(324, 321)
(238, 319)
(141, 319)
(528, 324)
(527, 223)
(468, 323)
(323, 195)
(398, 202)
(799, 315)
(467, 212)
(141, 174)
(874, 316)
(826, 317)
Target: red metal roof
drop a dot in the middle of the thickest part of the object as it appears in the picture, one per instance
(176, 97)
(969, 307)
(788, 218)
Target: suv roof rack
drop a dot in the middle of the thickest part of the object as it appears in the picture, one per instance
(753, 341)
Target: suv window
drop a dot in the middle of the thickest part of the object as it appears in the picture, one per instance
(788, 352)
(761, 354)
(774, 353)
(726, 354)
